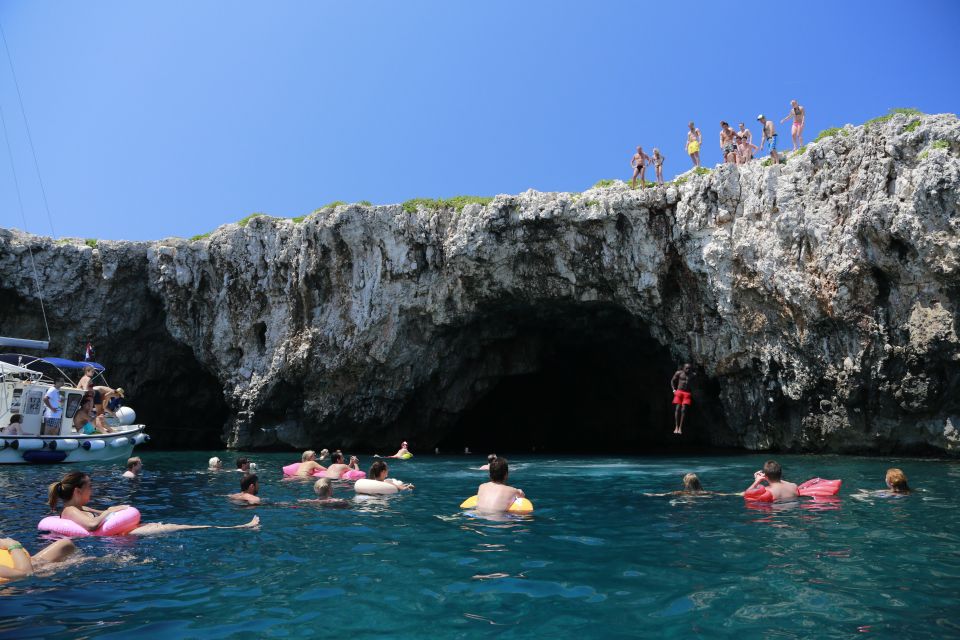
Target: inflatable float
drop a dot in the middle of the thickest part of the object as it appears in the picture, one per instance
(6, 560)
(375, 487)
(813, 488)
(520, 505)
(350, 474)
(117, 523)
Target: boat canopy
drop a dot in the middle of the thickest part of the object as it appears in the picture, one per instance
(7, 368)
(22, 361)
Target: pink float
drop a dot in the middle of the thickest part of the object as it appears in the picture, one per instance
(117, 523)
(291, 470)
(819, 488)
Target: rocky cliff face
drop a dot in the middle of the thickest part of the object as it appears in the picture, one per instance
(819, 300)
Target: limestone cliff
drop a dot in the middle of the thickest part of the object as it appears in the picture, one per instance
(819, 298)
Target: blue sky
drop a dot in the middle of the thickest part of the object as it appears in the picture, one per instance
(155, 119)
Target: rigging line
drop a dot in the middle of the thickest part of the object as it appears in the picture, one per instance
(23, 112)
(23, 215)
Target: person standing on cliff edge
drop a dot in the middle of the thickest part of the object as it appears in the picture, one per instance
(680, 383)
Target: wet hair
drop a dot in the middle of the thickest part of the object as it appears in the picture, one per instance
(241, 462)
(323, 488)
(897, 480)
(724, 123)
(248, 480)
(213, 462)
(132, 462)
(491, 457)
(307, 455)
(773, 470)
(64, 489)
(691, 482)
(376, 469)
(15, 418)
(336, 458)
(498, 470)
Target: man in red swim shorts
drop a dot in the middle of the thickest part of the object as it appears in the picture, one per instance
(681, 395)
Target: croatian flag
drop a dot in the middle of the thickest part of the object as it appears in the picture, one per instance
(88, 354)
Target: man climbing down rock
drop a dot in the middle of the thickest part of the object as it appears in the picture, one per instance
(681, 395)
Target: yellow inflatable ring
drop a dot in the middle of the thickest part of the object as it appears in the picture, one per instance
(520, 505)
(7, 560)
(406, 456)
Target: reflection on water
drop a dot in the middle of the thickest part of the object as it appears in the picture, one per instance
(597, 558)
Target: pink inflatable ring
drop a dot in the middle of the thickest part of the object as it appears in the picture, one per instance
(117, 523)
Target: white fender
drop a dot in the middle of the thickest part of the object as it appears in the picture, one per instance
(126, 415)
(122, 441)
(140, 438)
(94, 445)
(27, 444)
(68, 444)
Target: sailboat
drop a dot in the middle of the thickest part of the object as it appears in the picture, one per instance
(26, 435)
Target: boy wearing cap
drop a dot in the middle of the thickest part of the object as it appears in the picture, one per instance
(769, 137)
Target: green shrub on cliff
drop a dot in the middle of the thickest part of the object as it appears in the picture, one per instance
(912, 126)
(826, 133)
(893, 112)
(90, 242)
(200, 236)
(245, 221)
(701, 171)
(457, 203)
(940, 144)
(603, 184)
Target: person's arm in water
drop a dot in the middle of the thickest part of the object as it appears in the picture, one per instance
(22, 567)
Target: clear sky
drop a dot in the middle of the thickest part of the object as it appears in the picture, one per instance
(154, 119)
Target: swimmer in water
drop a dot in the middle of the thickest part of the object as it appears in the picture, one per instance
(214, 464)
(76, 489)
(379, 471)
(772, 474)
(337, 468)
(400, 454)
(497, 495)
(324, 490)
(897, 481)
(308, 464)
(243, 465)
(490, 458)
(134, 467)
(24, 565)
(249, 488)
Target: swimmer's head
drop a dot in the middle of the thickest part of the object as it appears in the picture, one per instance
(309, 454)
(491, 457)
(133, 462)
(336, 458)
(249, 481)
(772, 470)
(403, 445)
(214, 463)
(897, 481)
(323, 488)
(324, 453)
(243, 463)
(499, 470)
(377, 469)
(691, 482)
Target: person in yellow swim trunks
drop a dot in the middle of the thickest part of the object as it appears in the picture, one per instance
(497, 495)
(16, 563)
(694, 140)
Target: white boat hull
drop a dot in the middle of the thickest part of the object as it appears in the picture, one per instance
(71, 449)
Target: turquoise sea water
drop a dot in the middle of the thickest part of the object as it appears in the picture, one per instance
(598, 559)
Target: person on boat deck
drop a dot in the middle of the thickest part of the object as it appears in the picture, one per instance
(401, 452)
(497, 495)
(51, 411)
(24, 565)
(772, 474)
(83, 418)
(337, 468)
(13, 427)
(214, 464)
(490, 458)
(249, 488)
(897, 481)
(86, 382)
(134, 467)
(103, 397)
(243, 465)
(379, 471)
(324, 490)
(75, 490)
(308, 464)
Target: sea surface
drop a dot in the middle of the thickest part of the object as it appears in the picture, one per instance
(598, 558)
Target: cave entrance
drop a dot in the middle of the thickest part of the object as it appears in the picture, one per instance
(568, 379)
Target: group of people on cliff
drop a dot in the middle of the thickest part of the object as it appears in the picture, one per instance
(736, 145)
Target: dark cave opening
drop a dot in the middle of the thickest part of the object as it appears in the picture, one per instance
(571, 378)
